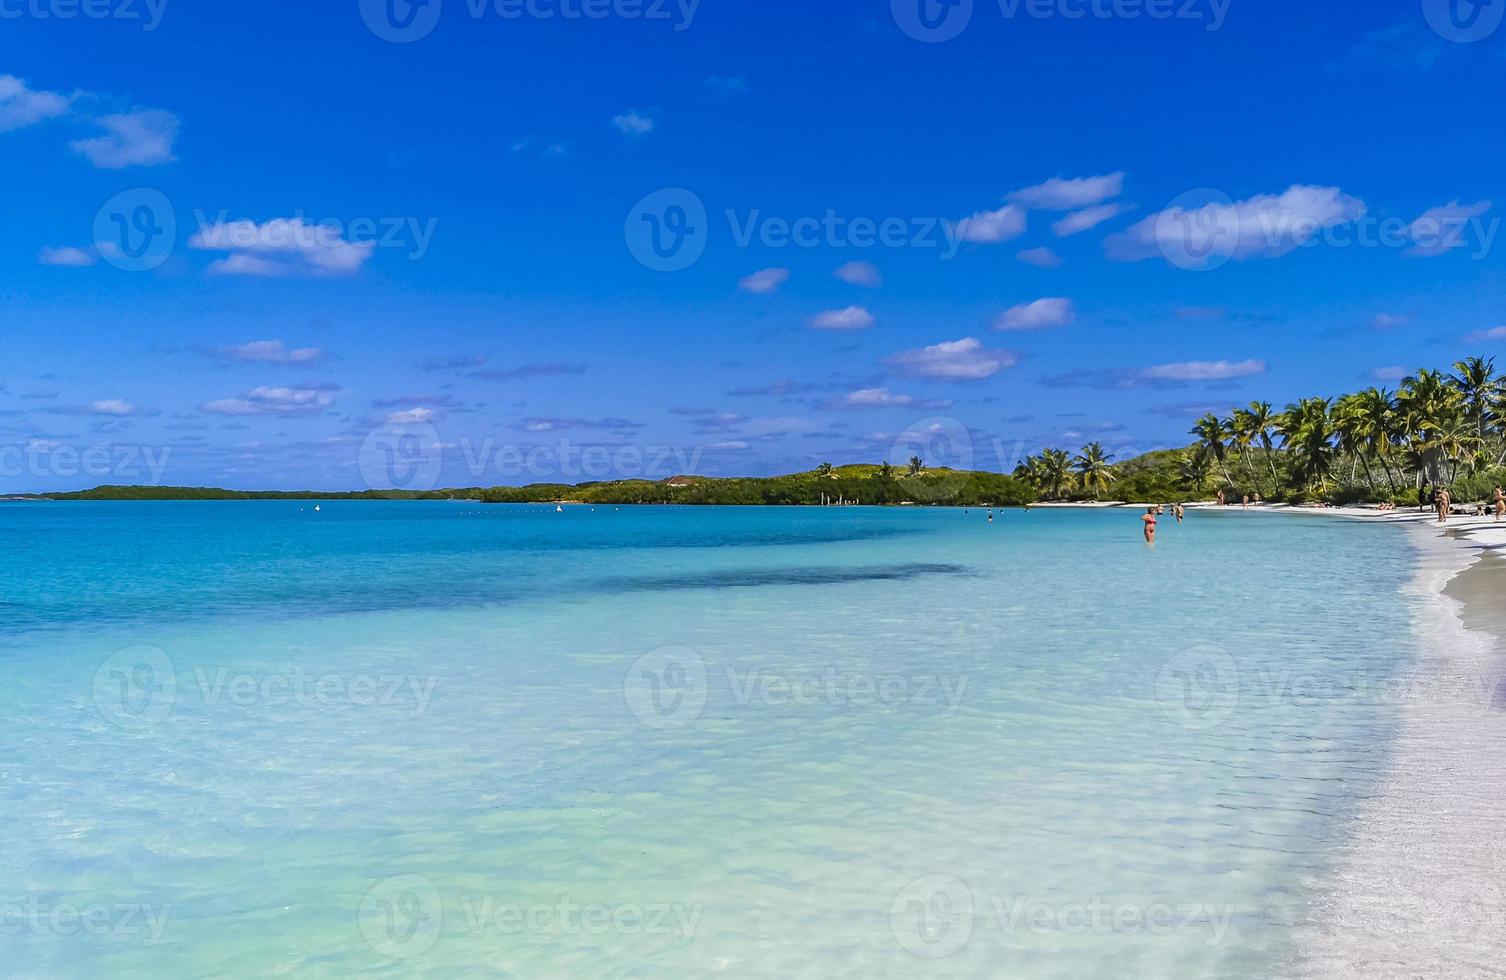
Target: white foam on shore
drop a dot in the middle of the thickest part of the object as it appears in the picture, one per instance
(1419, 889)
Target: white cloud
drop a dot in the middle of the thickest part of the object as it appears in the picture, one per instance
(1039, 315)
(633, 123)
(1266, 226)
(21, 106)
(1389, 373)
(852, 318)
(271, 352)
(281, 247)
(273, 401)
(734, 444)
(142, 138)
(876, 398)
(992, 227)
(860, 274)
(1079, 221)
(118, 407)
(1389, 321)
(1494, 333)
(415, 416)
(1440, 230)
(764, 281)
(1204, 370)
(67, 256)
(953, 360)
(1041, 258)
(1059, 194)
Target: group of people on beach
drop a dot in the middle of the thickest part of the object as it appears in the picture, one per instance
(1441, 500)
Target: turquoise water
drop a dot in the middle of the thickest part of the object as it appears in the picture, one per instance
(438, 739)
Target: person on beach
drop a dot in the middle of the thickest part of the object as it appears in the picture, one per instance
(1445, 505)
(1423, 498)
(1150, 525)
(1222, 500)
(1245, 504)
(1499, 500)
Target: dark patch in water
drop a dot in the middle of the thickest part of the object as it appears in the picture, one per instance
(755, 577)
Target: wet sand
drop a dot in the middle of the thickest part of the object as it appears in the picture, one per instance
(1420, 888)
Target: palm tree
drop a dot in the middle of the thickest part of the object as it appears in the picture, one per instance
(1262, 418)
(1093, 469)
(885, 472)
(1243, 431)
(1055, 468)
(1307, 434)
(825, 469)
(1475, 379)
(1426, 403)
(1370, 418)
(916, 465)
(1211, 432)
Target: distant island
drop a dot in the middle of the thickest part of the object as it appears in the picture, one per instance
(1437, 429)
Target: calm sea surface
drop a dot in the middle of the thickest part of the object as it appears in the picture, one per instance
(441, 739)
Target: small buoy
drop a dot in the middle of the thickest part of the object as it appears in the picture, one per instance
(316, 508)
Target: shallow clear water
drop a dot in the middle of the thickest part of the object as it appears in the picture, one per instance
(434, 739)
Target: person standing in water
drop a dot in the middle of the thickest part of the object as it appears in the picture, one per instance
(1500, 504)
(1181, 512)
(1150, 525)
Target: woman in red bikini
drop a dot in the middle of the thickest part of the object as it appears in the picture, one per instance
(1150, 525)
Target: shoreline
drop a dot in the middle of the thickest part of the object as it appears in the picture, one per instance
(1419, 889)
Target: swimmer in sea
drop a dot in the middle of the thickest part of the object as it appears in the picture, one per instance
(1150, 525)
(1181, 513)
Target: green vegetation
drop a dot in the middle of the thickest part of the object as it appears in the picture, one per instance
(1436, 429)
(859, 484)
(213, 493)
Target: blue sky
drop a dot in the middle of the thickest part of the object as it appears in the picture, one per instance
(348, 243)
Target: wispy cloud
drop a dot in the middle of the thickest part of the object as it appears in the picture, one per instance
(953, 360)
(542, 424)
(275, 401)
(143, 138)
(764, 281)
(1263, 227)
(1440, 230)
(281, 247)
(992, 227)
(22, 106)
(528, 371)
(1173, 375)
(634, 123)
(1041, 258)
(1080, 221)
(269, 352)
(851, 318)
(75, 258)
(859, 274)
(1060, 194)
(1494, 333)
(1042, 314)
